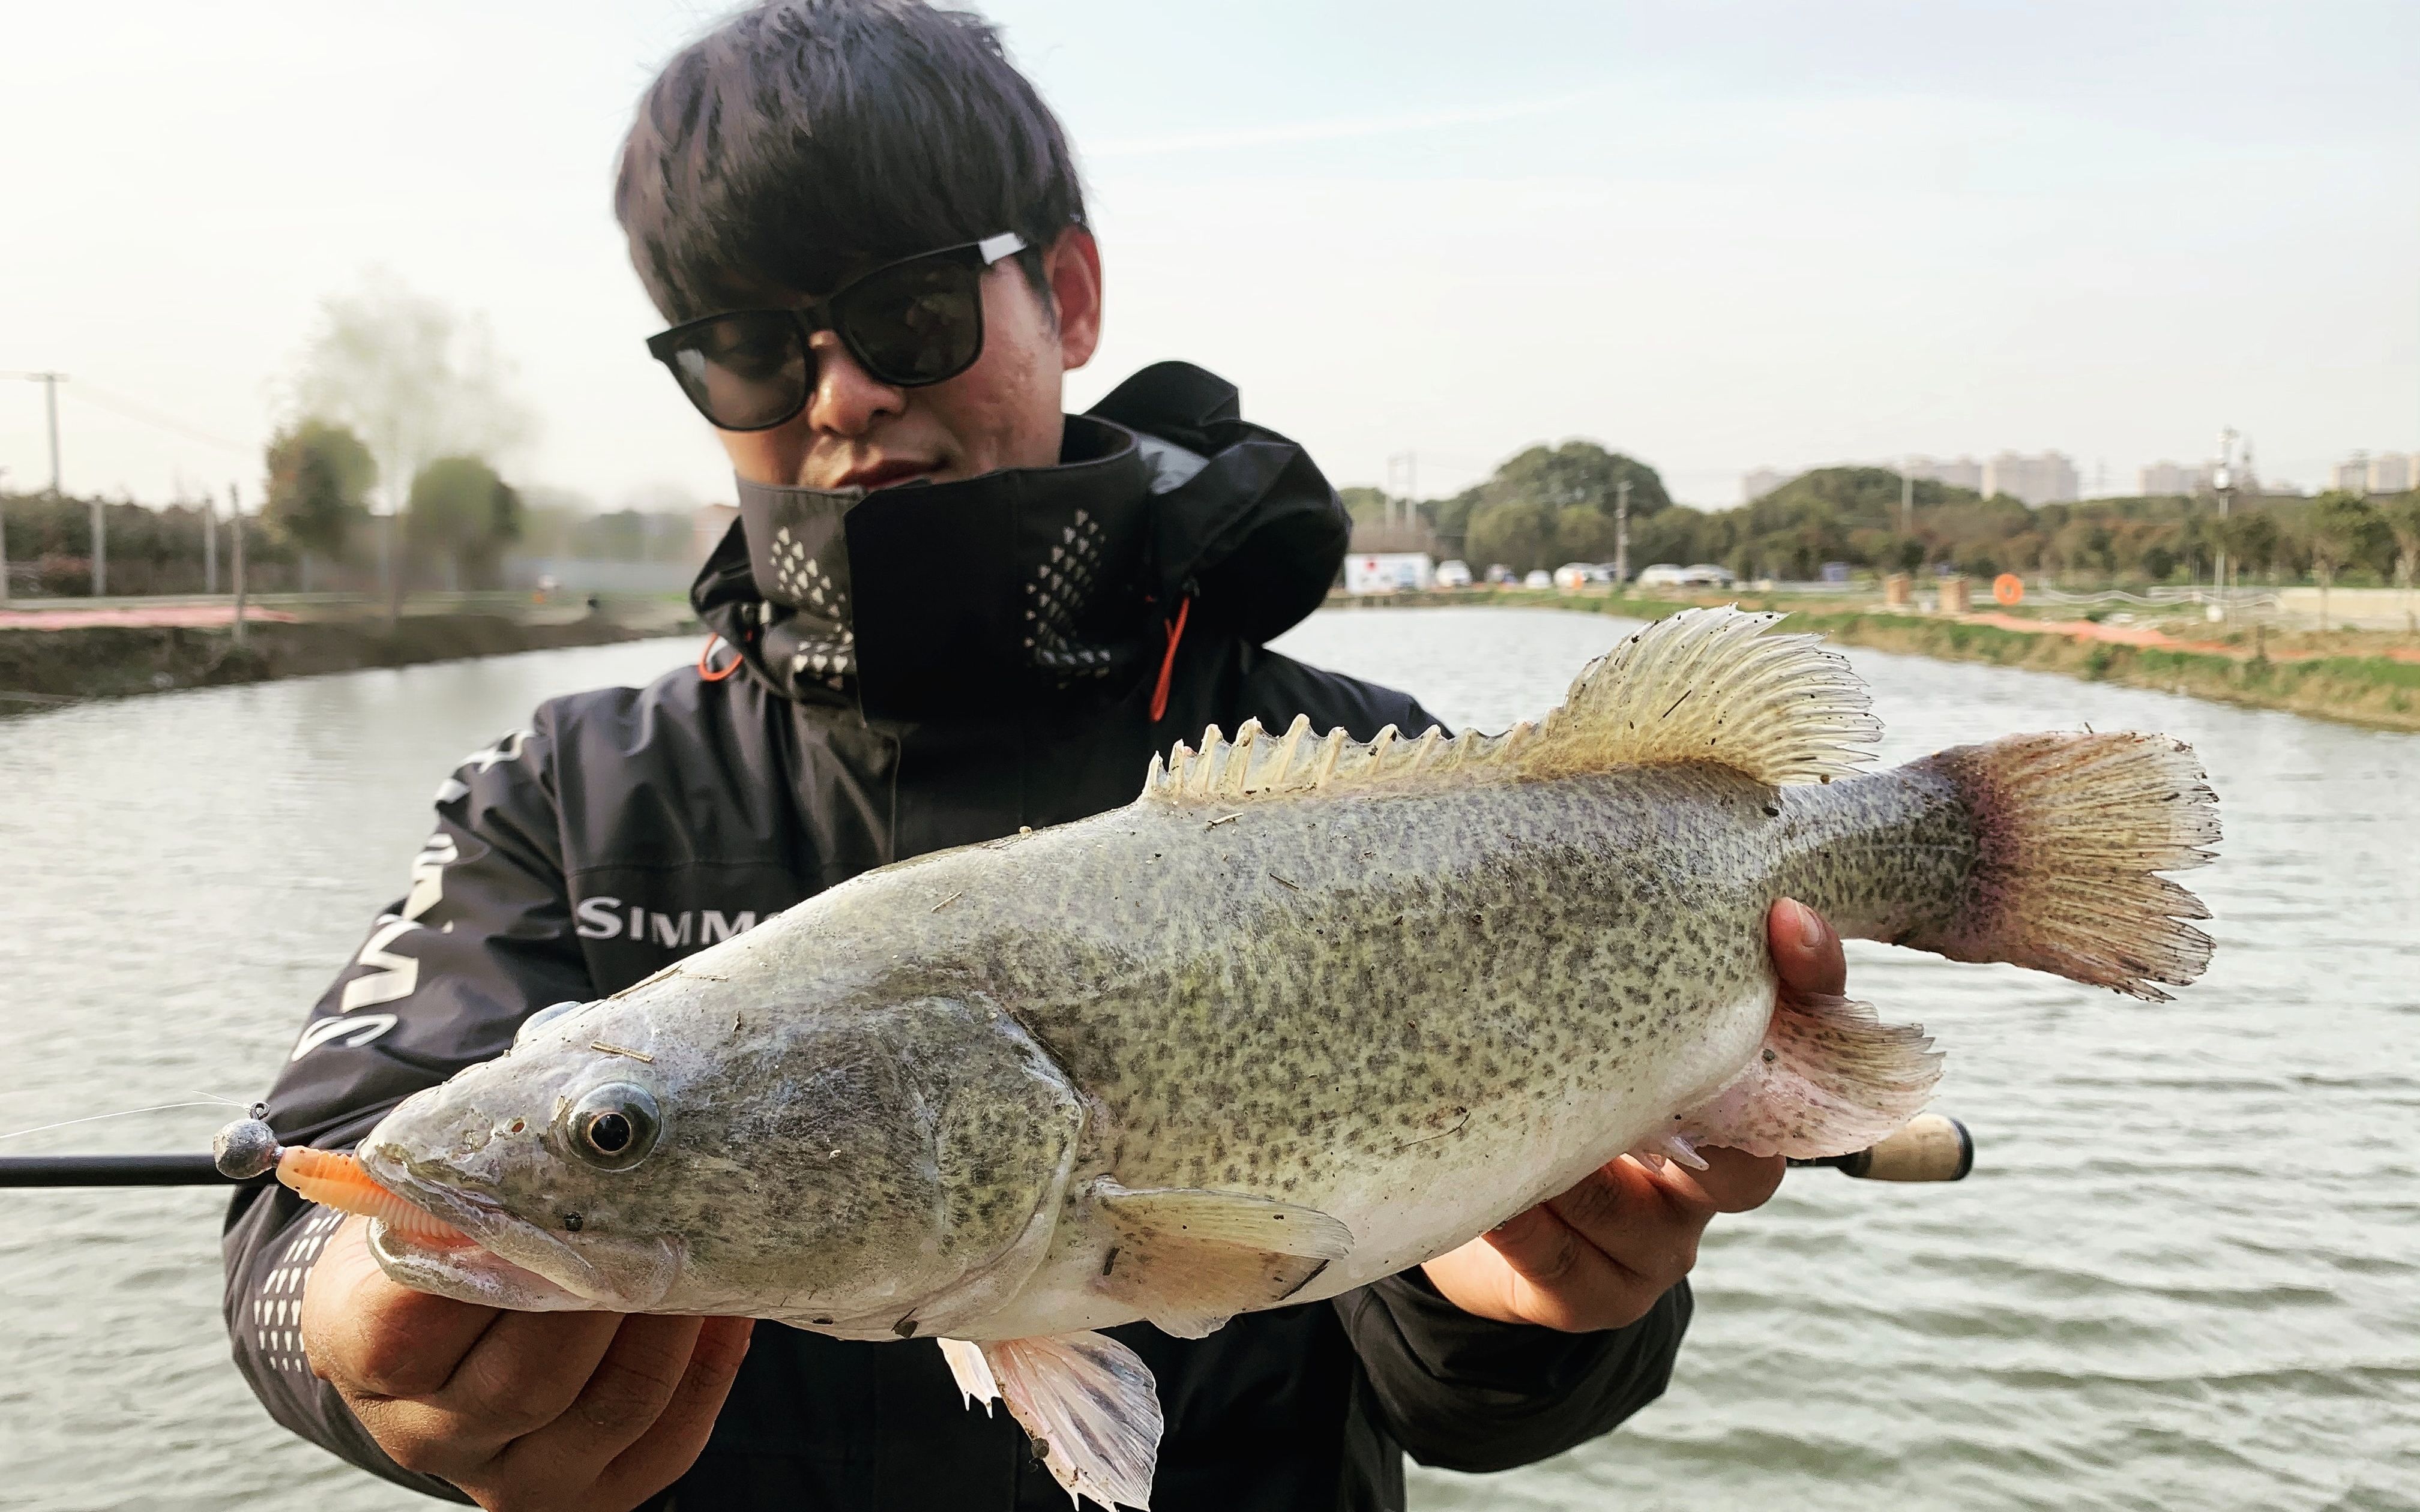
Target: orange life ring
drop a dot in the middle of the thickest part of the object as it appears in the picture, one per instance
(2009, 589)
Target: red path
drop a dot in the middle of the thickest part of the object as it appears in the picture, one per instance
(180, 616)
(2142, 635)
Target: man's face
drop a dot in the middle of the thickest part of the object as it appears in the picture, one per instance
(1003, 412)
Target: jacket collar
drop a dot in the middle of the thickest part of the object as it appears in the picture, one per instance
(970, 597)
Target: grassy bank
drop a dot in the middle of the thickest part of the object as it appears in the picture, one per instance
(2365, 690)
(42, 668)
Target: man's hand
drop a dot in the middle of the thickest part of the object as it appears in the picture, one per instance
(524, 1412)
(1600, 1255)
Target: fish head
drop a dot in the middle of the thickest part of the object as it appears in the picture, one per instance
(847, 1166)
(539, 1160)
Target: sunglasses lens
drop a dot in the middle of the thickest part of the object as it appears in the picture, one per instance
(916, 323)
(745, 371)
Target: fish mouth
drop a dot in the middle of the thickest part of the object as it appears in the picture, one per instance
(468, 1272)
(510, 1262)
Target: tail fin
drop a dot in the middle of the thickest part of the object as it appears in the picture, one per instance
(2074, 830)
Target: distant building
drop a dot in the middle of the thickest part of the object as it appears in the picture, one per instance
(1963, 472)
(2376, 472)
(1755, 485)
(1389, 572)
(2201, 481)
(2048, 478)
(2161, 478)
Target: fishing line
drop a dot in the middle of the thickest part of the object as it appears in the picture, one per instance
(157, 1107)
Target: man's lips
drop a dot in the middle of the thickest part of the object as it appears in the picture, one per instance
(881, 474)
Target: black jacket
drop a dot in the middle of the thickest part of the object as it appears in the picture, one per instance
(625, 828)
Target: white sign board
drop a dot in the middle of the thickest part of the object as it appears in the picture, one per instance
(1389, 572)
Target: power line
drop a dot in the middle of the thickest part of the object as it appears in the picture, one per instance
(133, 410)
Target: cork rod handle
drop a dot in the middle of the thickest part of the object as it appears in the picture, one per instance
(1934, 1146)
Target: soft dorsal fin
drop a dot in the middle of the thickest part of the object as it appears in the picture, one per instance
(1706, 684)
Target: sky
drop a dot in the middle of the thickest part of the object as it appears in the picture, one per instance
(1719, 235)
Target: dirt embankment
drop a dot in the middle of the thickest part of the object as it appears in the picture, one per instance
(39, 667)
(2377, 691)
(2309, 674)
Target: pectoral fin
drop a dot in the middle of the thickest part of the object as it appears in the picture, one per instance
(1830, 1078)
(1088, 1401)
(1190, 1259)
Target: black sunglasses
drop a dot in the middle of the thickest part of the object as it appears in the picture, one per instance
(909, 323)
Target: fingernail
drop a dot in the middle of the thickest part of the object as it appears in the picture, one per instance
(1811, 928)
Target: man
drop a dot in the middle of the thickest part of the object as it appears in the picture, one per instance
(948, 611)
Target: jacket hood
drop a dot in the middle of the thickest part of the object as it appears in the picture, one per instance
(979, 594)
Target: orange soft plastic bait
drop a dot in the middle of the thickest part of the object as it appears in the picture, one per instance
(336, 1180)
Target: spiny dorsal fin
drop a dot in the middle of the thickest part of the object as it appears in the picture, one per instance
(1708, 685)
(1703, 686)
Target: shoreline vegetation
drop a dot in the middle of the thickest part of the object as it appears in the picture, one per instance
(46, 667)
(2347, 676)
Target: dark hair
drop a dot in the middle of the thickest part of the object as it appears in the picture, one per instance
(801, 136)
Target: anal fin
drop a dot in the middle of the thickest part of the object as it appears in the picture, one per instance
(1088, 1401)
(1830, 1078)
(1190, 1259)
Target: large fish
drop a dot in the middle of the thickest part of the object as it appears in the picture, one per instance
(1305, 1014)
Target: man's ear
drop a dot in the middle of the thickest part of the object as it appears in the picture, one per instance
(1074, 266)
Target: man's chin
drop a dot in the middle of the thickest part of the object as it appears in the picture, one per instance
(468, 1272)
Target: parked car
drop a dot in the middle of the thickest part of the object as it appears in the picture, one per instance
(1538, 578)
(1453, 575)
(1571, 576)
(1701, 575)
(1499, 572)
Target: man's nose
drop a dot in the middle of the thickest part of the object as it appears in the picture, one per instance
(847, 400)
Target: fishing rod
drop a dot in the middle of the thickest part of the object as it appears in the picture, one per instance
(1932, 1147)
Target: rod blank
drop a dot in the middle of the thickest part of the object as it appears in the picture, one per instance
(113, 1170)
(1932, 1147)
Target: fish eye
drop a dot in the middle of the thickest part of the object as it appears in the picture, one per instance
(613, 1127)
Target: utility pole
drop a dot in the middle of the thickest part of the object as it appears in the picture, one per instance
(235, 510)
(1907, 496)
(1621, 532)
(209, 545)
(395, 568)
(2224, 481)
(1407, 465)
(3, 545)
(50, 382)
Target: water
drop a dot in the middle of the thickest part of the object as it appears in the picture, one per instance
(2186, 1272)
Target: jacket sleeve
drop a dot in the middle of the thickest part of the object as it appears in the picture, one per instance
(482, 938)
(1468, 1394)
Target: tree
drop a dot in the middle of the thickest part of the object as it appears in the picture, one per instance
(2251, 539)
(320, 478)
(1577, 472)
(415, 379)
(1366, 505)
(461, 510)
(2402, 518)
(1519, 534)
(2338, 526)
